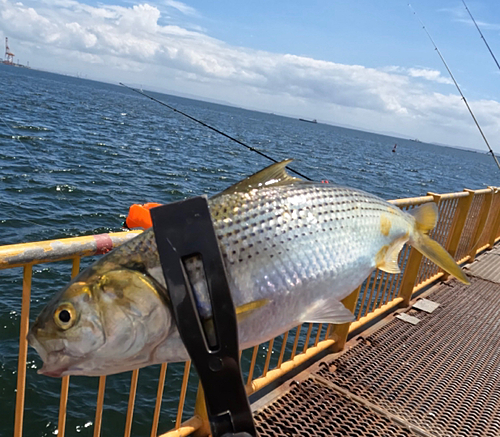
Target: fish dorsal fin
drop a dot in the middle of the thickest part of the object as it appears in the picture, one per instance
(425, 216)
(272, 176)
(327, 311)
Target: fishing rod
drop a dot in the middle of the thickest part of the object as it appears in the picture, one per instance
(456, 84)
(212, 128)
(482, 36)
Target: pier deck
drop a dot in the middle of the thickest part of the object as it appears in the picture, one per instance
(437, 378)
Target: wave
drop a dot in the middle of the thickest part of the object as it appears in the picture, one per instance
(29, 127)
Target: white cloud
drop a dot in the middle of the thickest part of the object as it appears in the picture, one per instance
(460, 15)
(423, 73)
(429, 74)
(130, 41)
(181, 7)
(482, 24)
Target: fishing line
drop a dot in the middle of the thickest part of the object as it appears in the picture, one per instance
(212, 128)
(456, 84)
(481, 33)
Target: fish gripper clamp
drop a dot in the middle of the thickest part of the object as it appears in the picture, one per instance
(183, 230)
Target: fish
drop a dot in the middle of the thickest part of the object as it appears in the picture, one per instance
(292, 250)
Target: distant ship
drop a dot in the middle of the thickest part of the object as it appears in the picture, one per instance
(308, 121)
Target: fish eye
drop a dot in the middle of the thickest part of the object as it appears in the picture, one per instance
(65, 316)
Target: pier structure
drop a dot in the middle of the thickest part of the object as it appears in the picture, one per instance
(421, 358)
(9, 56)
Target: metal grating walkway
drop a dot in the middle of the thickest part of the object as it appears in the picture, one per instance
(440, 377)
(486, 266)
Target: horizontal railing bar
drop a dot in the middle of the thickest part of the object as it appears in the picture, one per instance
(457, 195)
(17, 255)
(463, 259)
(412, 201)
(186, 429)
(481, 191)
(287, 366)
(374, 314)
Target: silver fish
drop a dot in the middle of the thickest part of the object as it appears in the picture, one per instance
(292, 251)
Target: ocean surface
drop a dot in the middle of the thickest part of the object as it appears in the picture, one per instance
(75, 154)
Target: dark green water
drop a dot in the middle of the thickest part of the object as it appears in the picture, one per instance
(74, 154)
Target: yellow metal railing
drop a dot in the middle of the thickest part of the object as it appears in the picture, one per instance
(469, 222)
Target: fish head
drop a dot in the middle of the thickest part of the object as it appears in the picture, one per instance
(105, 321)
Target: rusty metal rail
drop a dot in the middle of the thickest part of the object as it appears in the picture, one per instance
(469, 223)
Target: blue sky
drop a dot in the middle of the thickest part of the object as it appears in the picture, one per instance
(361, 64)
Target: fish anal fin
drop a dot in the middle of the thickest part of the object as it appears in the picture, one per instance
(327, 311)
(387, 257)
(274, 175)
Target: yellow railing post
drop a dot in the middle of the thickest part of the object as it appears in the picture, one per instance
(23, 350)
(200, 410)
(159, 396)
(410, 276)
(483, 217)
(457, 227)
(63, 397)
(495, 229)
(182, 397)
(99, 406)
(131, 402)
(339, 332)
(63, 401)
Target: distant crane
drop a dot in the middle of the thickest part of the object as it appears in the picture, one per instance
(9, 56)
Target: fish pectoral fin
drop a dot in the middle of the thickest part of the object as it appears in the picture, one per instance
(243, 311)
(387, 257)
(274, 175)
(327, 311)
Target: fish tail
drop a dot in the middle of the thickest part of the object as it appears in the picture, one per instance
(425, 220)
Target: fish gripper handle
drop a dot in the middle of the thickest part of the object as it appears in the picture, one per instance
(184, 230)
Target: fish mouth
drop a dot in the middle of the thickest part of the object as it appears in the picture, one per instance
(35, 344)
(51, 365)
(54, 373)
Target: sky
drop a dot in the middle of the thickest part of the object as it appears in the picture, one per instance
(362, 64)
